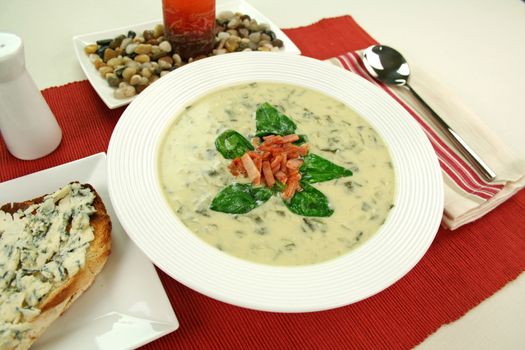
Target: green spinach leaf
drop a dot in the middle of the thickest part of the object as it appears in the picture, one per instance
(309, 202)
(302, 139)
(240, 198)
(317, 169)
(268, 120)
(231, 144)
(278, 187)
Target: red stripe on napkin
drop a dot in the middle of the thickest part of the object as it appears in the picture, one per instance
(461, 268)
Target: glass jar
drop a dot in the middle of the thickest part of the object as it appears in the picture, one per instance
(189, 25)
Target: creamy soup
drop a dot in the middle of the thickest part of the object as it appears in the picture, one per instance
(192, 172)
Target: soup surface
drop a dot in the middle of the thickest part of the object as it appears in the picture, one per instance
(192, 172)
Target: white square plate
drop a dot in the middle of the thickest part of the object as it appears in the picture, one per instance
(106, 92)
(126, 306)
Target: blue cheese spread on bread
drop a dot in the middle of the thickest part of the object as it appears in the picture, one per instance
(41, 247)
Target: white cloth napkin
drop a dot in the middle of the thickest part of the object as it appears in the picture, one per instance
(467, 195)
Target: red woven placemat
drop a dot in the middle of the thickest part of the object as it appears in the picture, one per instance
(461, 268)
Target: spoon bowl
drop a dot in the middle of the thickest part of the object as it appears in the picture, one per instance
(386, 64)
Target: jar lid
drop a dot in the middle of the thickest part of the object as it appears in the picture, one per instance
(11, 56)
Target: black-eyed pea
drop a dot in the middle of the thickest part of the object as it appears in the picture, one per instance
(244, 33)
(140, 88)
(244, 43)
(255, 37)
(156, 51)
(148, 34)
(91, 49)
(112, 79)
(266, 37)
(114, 62)
(105, 70)
(109, 54)
(225, 16)
(124, 44)
(133, 64)
(223, 36)
(143, 49)
(232, 32)
(165, 62)
(165, 46)
(99, 64)
(125, 91)
(135, 79)
(158, 31)
(131, 48)
(128, 72)
(138, 80)
(253, 26)
(146, 65)
(219, 51)
(146, 73)
(234, 23)
(277, 43)
(177, 61)
(263, 26)
(142, 58)
(153, 79)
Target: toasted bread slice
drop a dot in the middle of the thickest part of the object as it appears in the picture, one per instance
(63, 294)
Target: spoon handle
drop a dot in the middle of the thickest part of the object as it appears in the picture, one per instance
(463, 147)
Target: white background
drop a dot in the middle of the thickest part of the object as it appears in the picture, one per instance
(474, 47)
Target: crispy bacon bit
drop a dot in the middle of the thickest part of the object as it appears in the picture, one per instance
(236, 167)
(276, 162)
(290, 138)
(294, 164)
(284, 159)
(268, 174)
(291, 187)
(253, 173)
(281, 176)
(275, 158)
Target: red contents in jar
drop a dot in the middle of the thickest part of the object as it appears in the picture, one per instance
(190, 26)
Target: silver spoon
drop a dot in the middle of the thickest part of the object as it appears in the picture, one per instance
(390, 67)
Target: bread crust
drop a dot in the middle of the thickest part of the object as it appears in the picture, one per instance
(63, 295)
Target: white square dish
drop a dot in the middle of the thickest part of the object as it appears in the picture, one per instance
(106, 92)
(126, 306)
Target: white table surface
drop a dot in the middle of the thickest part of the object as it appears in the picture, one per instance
(475, 47)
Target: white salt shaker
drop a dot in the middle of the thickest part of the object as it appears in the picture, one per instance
(27, 125)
